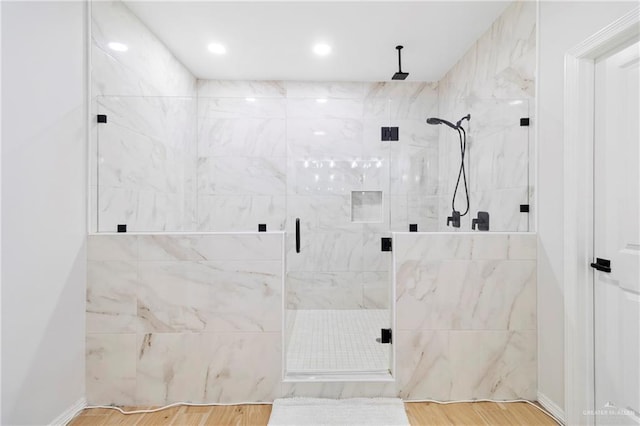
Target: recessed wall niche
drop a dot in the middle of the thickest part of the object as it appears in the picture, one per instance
(366, 206)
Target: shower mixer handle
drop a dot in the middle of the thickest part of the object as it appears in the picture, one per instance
(454, 219)
(482, 221)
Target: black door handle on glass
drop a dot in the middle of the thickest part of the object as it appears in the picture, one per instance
(298, 235)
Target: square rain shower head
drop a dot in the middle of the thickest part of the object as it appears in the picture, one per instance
(400, 76)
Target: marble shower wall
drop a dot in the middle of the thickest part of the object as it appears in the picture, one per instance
(184, 318)
(495, 82)
(273, 151)
(144, 169)
(466, 315)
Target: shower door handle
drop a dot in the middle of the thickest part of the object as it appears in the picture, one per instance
(298, 235)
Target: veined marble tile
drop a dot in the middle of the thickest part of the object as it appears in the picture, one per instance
(398, 206)
(124, 73)
(503, 207)
(320, 212)
(171, 367)
(210, 296)
(424, 369)
(111, 368)
(414, 169)
(493, 364)
(377, 289)
(422, 211)
(324, 138)
(246, 296)
(245, 367)
(323, 89)
(210, 108)
(466, 295)
(499, 161)
(214, 247)
(522, 246)
(431, 247)
(241, 212)
(242, 137)
(401, 108)
(326, 251)
(405, 89)
(372, 143)
(241, 89)
(373, 259)
(169, 119)
(111, 296)
(112, 247)
(208, 367)
(324, 290)
(133, 161)
(325, 108)
(242, 175)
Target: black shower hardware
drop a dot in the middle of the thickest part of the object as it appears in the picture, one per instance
(298, 235)
(482, 221)
(454, 219)
(400, 75)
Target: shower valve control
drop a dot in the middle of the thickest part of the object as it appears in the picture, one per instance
(454, 219)
(482, 221)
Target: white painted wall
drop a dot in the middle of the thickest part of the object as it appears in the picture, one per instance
(562, 26)
(43, 209)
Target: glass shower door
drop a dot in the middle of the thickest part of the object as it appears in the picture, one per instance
(337, 277)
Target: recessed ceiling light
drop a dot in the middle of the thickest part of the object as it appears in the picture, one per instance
(321, 100)
(217, 48)
(319, 133)
(322, 49)
(118, 47)
(250, 99)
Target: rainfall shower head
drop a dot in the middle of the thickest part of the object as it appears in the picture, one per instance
(434, 121)
(400, 75)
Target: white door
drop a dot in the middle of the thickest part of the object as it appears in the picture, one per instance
(617, 237)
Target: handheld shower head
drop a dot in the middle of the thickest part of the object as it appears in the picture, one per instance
(466, 117)
(434, 121)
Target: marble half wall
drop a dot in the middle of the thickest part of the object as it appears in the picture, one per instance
(184, 317)
(465, 315)
(198, 317)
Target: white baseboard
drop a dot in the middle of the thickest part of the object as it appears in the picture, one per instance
(69, 413)
(551, 407)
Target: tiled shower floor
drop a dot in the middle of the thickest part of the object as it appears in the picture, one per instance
(337, 341)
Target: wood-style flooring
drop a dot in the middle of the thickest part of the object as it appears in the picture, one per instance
(419, 413)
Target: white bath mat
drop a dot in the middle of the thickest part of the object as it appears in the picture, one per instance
(351, 412)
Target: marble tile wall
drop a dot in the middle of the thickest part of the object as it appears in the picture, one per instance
(182, 317)
(273, 151)
(198, 317)
(144, 169)
(495, 82)
(466, 315)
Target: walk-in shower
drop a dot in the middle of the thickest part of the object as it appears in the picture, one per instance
(308, 185)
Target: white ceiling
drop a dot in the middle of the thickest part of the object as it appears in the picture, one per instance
(273, 40)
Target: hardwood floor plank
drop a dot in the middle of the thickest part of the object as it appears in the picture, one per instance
(419, 413)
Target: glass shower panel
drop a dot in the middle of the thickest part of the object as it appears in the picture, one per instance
(337, 283)
(426, 166)
(146, 163)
